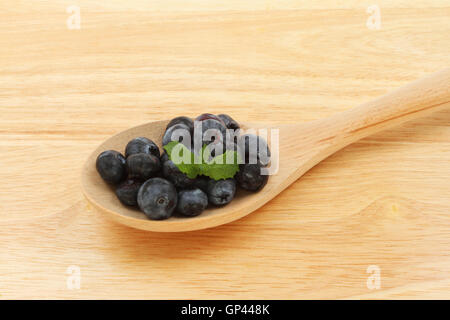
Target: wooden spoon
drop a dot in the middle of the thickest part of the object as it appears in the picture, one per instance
(301, 146)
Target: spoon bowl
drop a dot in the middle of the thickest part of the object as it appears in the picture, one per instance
(102, 196)
(301, 146)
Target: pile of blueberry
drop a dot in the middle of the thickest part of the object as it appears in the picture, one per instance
(146, 179)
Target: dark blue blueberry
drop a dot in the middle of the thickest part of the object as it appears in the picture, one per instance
(183, 120)
(233, 135)
(249, 177)
(127, 191)
(183, 132)
(173, 174)
(214, 149)
(207, 116)
(221, 192)
(141, 145)
(230, 123)
(111, 166)
(164, 157)
(255, 149)
(201, 182)
(210, 130)
(192, 202)
(157, 198)
(143, 166)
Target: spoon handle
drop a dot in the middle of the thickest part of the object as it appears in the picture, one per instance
(412, 101)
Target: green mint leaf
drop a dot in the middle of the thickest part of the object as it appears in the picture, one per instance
(223, 166)
(168, 147)
(219, 168)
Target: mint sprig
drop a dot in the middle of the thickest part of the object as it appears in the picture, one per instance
(220, 167)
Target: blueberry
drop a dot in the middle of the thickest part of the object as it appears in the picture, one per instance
(191, 202)
(212, 151)
(255, 149)
(111, 166)
(249, 177)
(157, 198)
(206, 116)
(127, 191)
(231, 146)
(201, 182)
(233, 135)
(221, 192)
(211, 131)
(173, 174)
(141, 145)
(164, 157)
(181, 129)
(143, 166)
(183, 120)
(230, 123)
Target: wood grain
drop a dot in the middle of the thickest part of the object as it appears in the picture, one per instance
(383, 201)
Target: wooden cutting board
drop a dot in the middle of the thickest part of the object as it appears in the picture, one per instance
(372, 221)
